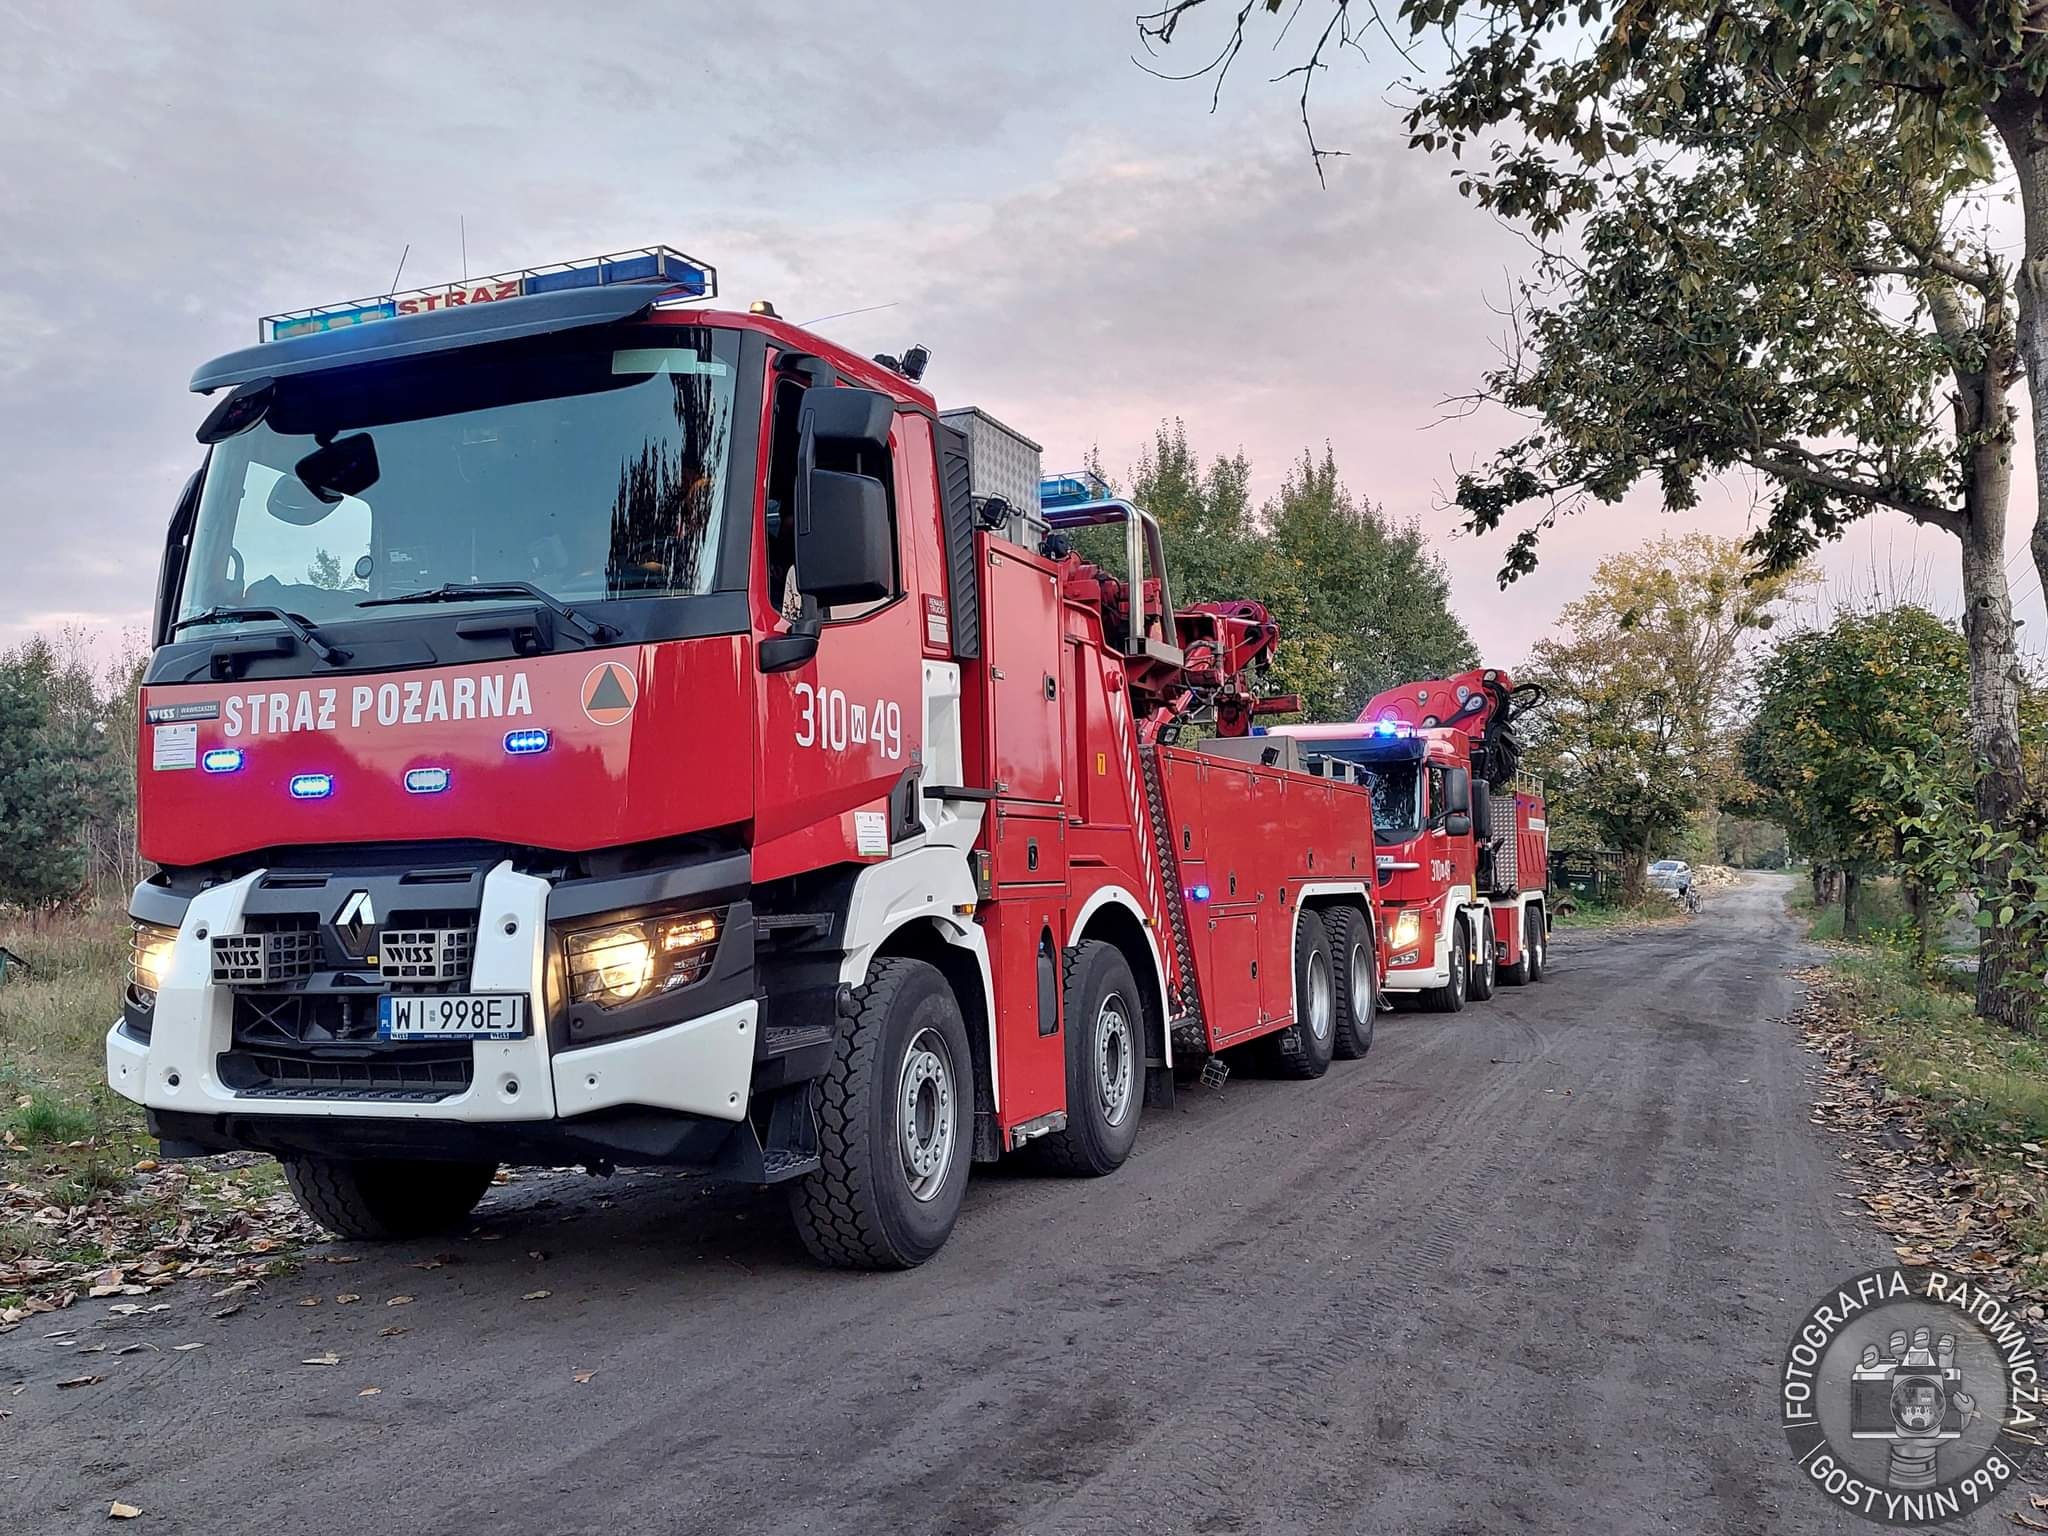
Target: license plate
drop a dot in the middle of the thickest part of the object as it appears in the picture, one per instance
(451, 1017)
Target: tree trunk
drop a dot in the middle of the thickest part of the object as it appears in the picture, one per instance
(1994, 706)
(1916, 913)
(1819, 876)
(1852, 892)
(2025, 133)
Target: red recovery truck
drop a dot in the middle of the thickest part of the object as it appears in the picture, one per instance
(1464, 850)
(584, 729)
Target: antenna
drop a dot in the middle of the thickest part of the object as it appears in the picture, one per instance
(842, 314)
(462, 234)
(401, 267)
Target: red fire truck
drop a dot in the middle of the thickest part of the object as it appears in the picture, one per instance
(1463, 846)
(586, 728)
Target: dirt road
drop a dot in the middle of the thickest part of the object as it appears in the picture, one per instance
(1528, 1267)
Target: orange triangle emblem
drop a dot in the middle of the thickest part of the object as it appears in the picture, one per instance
(609, 693)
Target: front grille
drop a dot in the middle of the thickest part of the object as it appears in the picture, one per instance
(304, 1018)
(264, 959)
(392, 1074)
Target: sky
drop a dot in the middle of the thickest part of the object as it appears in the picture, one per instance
(1085, 249)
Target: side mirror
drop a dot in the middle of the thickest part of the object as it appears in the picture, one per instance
(1459, 824)
(844, 551)
(1458, 790)
(837, 419)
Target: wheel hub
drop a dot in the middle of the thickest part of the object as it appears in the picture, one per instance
(924, 1106)
(1115, 1067)
(1322, 993)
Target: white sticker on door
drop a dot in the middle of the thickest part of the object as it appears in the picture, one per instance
(870, 832)
(174, 746)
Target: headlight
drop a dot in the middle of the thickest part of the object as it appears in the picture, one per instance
(1407, 930)
(149, 959)
(624, 962)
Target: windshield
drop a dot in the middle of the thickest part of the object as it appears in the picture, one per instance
(592, 470)
(1396, 801)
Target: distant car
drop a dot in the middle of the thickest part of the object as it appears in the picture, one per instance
(1671, 875)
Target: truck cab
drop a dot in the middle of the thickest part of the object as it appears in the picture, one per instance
(1462, 848)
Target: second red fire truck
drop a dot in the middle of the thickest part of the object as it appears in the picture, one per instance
(1464, 849)
(587, 728)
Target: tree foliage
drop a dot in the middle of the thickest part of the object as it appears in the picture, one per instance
(1645, 674)
(1838, 707)
(1361, 601)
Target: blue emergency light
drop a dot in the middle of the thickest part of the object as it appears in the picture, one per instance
(1076, 489)
(525, 743)
(312, 786)
(688, 277)
(221, 759)
(426, 781)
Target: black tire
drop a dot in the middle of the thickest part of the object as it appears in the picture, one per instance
(1303, 1049)
(1106, 1049)
(1522, 972)
(1486, 973)
(1539, 951)
(386, 1200)
(866, 1206)
(1356, 958)
(1450, 998)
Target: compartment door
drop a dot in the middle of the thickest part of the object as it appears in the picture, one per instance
(1021, 650)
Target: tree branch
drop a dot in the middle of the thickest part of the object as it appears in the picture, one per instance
(1946, 518)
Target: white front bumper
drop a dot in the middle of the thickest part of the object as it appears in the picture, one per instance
(700, 1066)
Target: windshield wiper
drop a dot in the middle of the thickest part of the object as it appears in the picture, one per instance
(593, 630)
(300, 627)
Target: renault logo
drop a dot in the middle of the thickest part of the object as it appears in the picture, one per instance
(356, 924)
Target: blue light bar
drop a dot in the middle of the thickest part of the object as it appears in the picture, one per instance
(426, 781)
(222, 760)
(521, 743)
(333, 319)
(312, 786)
(1072, 490)
(1198, 893)
(689, 277)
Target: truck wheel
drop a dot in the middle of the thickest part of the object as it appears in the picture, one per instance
(1538, 941)
(1353, 950)
(384, 1200)
(1485, 970)
(1523, 970)
(1302, 1050)
(1105, 1024)
(1450, 997)
(893, 1140)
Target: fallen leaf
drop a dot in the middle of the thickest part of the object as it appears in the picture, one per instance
(391, 1333)
(80, 1381)
(369, 1392)
(329, 1358)
(119, 1511)
(309, 1301)
(536, 1295)
(129, 1349)
(583, 1377)
(2029, 1522)
(229, 1311)
(399, 1301)
(181, 1348)
(345, 1298)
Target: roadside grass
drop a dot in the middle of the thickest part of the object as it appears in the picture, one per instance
(1650, 907)
(1979, 1091)
(81, 1190)
(83, 1138)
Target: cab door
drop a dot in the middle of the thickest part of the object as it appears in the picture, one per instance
(841, 734)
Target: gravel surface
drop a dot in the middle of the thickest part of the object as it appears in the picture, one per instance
(1530, 1267)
